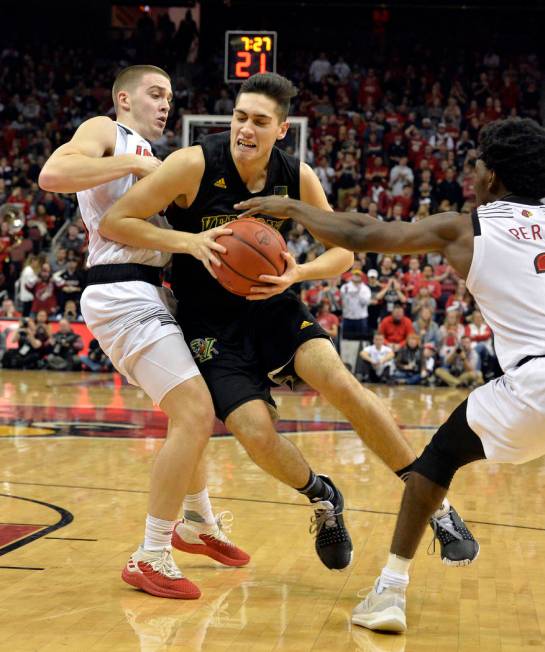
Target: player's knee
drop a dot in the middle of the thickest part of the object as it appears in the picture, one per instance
(454, 445)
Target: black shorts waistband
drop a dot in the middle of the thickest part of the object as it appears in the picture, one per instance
(527, 359)
(122, 272)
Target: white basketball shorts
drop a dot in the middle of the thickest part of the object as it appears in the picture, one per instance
(128, 319)
(508, 414)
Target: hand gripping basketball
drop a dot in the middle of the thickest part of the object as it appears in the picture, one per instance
(253, 249)
(203, 245)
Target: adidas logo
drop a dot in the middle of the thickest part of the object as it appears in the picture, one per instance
(220, 183)
(305, 324)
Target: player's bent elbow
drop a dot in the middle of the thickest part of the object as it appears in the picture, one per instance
(48, 181)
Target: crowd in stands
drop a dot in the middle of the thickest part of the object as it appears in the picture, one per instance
(397, 141)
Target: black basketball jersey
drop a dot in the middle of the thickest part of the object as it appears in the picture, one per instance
(221, 187)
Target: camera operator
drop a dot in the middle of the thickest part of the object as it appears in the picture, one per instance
(29, 347)
(96, 360)
(461, 366)
(66, 344)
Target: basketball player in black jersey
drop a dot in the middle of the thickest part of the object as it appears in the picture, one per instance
(243, 347)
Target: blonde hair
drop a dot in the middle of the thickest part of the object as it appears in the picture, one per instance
(129, 77)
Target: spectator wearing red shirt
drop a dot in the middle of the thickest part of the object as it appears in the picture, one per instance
(395, 328)
(327, 320)
(45, 292)
(428, 280)
(412, 277)
(406, 201)
(7, 311)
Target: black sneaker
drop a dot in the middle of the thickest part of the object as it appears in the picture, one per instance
(333, 543)
(458, 545)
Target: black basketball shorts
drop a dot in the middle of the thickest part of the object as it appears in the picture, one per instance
(241, 359)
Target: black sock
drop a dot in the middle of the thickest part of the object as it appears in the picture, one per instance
(316, 489)
(404, 473)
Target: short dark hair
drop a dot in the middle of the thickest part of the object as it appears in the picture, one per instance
(515, 150)
(278, 88)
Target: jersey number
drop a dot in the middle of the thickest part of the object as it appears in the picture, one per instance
(140, 151)
(539, 263)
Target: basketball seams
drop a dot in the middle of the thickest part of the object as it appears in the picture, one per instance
(258, 251)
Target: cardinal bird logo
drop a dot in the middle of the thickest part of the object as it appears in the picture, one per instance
(526, 213)
(539, 263)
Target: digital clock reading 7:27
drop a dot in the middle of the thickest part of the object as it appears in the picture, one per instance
(247, 53)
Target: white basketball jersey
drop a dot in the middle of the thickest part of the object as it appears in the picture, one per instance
(94, 202)
(507, 276)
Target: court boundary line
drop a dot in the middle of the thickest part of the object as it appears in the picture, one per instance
(264, 501)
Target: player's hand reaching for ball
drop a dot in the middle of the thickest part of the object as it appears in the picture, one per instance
(203, 245)
(144, 165)
(276, 284)
(275, 205)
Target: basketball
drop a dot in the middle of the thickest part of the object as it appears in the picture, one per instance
(254, 248)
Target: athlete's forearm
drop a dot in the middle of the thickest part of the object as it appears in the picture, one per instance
(75, 172)
(142, 234)
(346, 230)
(332, 262)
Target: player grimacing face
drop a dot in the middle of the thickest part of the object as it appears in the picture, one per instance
(146, 106)
(255, 128)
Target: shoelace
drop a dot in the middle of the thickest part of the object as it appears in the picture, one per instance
(224, 523)
(445, 523)
(166, 565)
(324, 516)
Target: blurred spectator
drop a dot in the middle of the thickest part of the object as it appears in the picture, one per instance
(375, 304)
(461, 366)
(44, 291)
(408, 362)
(27, 280)
(69, 312)
(327, 320)
(224, 104)
(427, 329)
(451, 332)
(28, 351)
(423, 300)
(8, 311)
(481, 337)
(326, 174)
(73, 241)
(355, 298)
(66, 345)
(377, 361)
(401, 175)
(70, 283)
(319, 68)
(396, 328)
(390, 295)
(96, 360)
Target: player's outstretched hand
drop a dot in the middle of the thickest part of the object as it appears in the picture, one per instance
(274, 205)
(144, 165)
(203, 245)
(276, 284)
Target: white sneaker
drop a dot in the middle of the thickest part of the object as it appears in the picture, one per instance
(382, 609)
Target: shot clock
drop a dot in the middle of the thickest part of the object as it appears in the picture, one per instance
(247, 53)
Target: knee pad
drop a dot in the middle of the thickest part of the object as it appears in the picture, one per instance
(454, 445)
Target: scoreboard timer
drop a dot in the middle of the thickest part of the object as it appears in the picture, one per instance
(247, 53)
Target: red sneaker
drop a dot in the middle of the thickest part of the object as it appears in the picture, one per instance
(210, 540)
(157, 573)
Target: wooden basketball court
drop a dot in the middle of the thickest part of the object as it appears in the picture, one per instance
(76, 452)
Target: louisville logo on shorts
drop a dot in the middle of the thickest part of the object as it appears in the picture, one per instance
(203, 348)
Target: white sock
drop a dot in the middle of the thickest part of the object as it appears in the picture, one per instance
(197, 508)
(158, 533)
(395, 573)
(443, 510)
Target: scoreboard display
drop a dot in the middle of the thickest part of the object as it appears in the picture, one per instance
(247, 53)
